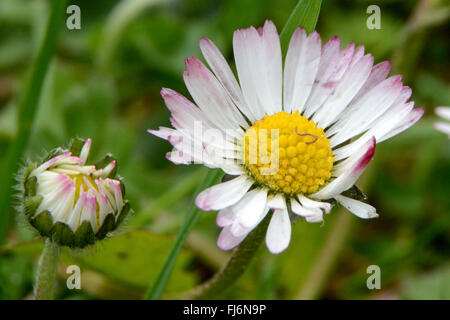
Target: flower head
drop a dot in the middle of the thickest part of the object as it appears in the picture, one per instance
(295, 138)
(444, 113)
(71, 202)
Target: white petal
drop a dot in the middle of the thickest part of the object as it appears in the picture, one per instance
(443, 127)
(358, 208)
(308, 203)
(250, 209)
(237, 229)
(210, 96)
(276, 202)
(185, 114)
(224, 74)
(162, 132)
(311, 214)
(384, 124)
(88, 211)
(443, 112)
(54, 161)
(225, 217)
(207, 152)
(378, 73)
(75, 215)
(314, 219)
(229, 166)
(258, 62)
(84, 153)
(301, 66)
(360, 116)
(273, 62)
(104, 207)
(346, 89)
(333, 64)
(357, 55)
(278, 234)
(407, 122)
(350, 171)
(227, 240)
(224, 194)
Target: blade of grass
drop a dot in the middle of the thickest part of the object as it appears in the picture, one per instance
(27, 111)
(211, 177)
(305, 14)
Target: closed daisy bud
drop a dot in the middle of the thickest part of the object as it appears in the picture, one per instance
(71, 202)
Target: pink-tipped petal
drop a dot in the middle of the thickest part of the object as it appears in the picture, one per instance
(355, 166)
(210, 96)
(407, 122)
(224, 74)
(224, 194)
(225, 217)
(226, 241)
(84, 153)
(300, 70)
(162, 132)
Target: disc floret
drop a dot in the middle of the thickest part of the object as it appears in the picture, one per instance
(298, 151)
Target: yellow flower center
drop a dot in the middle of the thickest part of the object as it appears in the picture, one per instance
(80, 184)
(288, 153)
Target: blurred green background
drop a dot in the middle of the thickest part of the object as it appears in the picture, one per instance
(104, 83)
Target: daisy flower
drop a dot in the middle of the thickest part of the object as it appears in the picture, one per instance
(290, 138)
(444, 113)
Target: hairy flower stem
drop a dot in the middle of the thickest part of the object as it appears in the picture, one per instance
(235, 267)
(46, 276)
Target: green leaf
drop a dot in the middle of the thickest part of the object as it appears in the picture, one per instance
(305, 15)
(130, 259)
(28, 107)
(136, 257)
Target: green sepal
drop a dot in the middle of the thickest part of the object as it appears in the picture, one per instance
(31, 204)
(30, 186)
(26, 173)
(76, 145)
(104, 162)
(54, 153)
(355, 193)
(43, 222)
(63, 235)
(108, 225)
(227, 177)
(84, 235)
(126, 209)
(122, 185)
